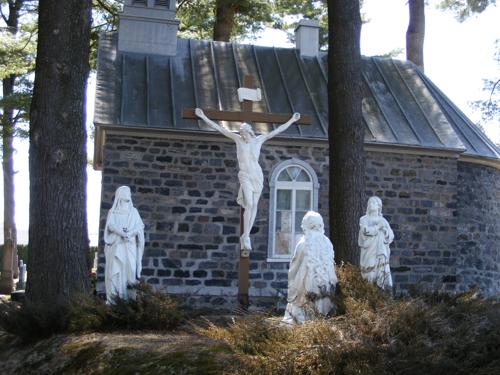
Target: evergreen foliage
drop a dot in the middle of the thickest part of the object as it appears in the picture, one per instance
(490, 107)
(151, 310)
(463, 9)
(17, 63)
(427, 333)
(371, 333)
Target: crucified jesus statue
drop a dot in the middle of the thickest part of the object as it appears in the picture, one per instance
(250, 175)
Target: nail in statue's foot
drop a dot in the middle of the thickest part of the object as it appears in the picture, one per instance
(245, 243)
(248, 244)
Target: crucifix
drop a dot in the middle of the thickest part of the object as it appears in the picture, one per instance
(250, 174)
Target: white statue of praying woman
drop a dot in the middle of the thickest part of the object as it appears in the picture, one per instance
(311, 277)
(124, 245)
(250, 174)
(375, 236)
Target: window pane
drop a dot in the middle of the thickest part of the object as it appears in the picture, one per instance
(303, 177)
(293, 171)
(303, 200)
(284, 176)
(284, 199)
(283, 232)
(299, 215)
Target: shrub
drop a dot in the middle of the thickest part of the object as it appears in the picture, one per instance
(90, 257)
(150, 310)
(30, 322)
(373, 333)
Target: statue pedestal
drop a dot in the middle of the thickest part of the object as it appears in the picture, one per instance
(6, 283)
(17, 296)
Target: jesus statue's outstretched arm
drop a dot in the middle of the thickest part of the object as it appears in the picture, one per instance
(198, 112)
(265, 137)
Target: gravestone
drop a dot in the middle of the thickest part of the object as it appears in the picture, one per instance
(21, 283)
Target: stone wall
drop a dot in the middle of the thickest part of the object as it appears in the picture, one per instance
(479, 228)
(419, 198)
(185, 192)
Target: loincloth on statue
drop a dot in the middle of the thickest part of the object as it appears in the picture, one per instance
(254, 183)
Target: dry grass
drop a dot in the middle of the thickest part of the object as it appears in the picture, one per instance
(371, 333)
(375, 334)
(116, 353)
(151, 310)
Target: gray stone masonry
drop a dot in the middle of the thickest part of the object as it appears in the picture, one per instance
(479, 228)
(419, 201)
(185, 191)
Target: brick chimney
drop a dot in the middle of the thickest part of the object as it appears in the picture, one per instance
(307, 37)
(148, 26)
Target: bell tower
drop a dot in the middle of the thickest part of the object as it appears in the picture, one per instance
(148, 26)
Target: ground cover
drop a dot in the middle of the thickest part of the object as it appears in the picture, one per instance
(371, 333)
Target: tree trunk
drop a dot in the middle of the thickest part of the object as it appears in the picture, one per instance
(346, 129)
(58, 239)
(224, 21)
(9, 227)
(415, 34)
(9, 261)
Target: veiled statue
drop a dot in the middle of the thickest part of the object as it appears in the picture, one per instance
(311, 277)
(375, 236)
(124, 246)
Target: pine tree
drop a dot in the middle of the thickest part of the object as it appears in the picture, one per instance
(58, 240)
(346, 129)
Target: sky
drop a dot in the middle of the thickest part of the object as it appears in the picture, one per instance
(457, 57)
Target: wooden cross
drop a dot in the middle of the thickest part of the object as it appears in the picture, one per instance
(246, 115)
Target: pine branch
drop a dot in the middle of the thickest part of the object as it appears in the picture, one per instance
(105, 6)
(3, 16)
(493, 90)
(181, 3)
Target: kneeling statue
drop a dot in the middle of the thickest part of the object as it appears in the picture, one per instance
(311, 278)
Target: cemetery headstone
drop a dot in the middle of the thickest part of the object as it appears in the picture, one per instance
(21, 284)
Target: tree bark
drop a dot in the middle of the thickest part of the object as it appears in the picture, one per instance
(346, 129)
(9, 228)
(415, 34)
(9, 261)
(58, 238)
(224, 21)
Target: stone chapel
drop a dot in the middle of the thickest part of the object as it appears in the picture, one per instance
(437, 174)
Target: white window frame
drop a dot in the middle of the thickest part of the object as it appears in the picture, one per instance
(274, 185)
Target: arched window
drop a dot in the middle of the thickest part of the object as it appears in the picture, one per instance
(293, 191)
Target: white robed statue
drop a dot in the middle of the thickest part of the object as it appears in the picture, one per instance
(375, 236)
(124, 245)
(311, 277)
(250, 174)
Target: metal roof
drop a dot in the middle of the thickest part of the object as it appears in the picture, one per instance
(401, 106)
